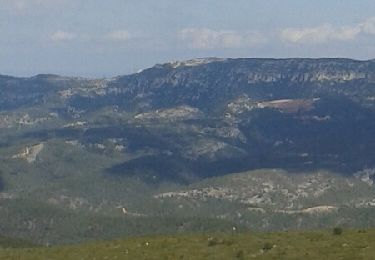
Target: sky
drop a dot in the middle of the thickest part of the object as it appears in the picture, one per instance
(96, 38)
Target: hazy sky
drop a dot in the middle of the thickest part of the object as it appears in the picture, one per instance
(98, 38)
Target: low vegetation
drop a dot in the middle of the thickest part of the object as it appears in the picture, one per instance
(351, 244)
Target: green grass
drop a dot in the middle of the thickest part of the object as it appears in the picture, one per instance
(351, 244)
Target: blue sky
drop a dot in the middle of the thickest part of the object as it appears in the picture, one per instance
(96, 38)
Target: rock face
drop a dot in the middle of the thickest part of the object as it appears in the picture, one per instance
(225, 78)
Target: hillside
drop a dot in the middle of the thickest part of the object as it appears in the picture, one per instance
(204, 117)
(264, 144)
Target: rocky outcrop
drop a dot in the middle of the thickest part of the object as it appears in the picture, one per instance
(29, 153)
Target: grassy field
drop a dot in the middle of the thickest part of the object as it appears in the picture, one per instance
(353, 244)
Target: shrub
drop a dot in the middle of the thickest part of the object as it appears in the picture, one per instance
(240, 254)
(213, 242)
(267, 246)
(337, 231)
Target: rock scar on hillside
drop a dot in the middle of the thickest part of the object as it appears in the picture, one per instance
(29, 153)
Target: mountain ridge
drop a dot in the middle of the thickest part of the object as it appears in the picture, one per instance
(208, 59)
